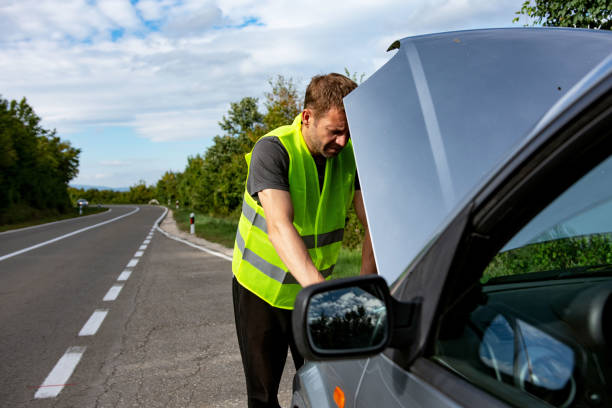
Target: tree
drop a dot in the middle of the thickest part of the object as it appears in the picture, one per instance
(214, 183)
(282, 104)
(36, 165)
(190, 185)
(242, 117)
(140, 193)
(353, 76)
(569, 13)
(166, 188)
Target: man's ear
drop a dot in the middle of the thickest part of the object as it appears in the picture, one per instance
(307, 117)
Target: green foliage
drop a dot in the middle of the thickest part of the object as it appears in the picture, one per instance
(35, 165)
(167, 188)
(353, 231)
(558, 254)
(214, 229)
(569, 13)
(282, 103)
(213, 184)
(139, 193)
(348, 264)
(242, 117)
(189, 185)
(354, 76)
(95, 196)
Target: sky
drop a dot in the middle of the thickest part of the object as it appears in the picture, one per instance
(140, 85)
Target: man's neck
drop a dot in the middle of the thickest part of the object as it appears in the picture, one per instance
(318, 158)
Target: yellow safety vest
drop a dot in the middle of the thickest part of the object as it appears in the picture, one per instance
(318, 216)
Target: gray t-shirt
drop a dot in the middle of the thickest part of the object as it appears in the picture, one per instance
(270, 167)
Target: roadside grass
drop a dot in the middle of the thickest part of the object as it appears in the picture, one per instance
(43, 219)
(220, 230)
(349, 263)
(223, 231)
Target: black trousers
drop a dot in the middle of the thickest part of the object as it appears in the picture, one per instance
(264, 336)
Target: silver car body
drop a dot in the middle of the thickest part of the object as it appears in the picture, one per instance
(431, 129)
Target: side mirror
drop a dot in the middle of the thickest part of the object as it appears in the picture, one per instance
(343, 318)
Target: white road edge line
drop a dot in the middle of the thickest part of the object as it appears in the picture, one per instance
(146, 241)
(132, 263)
(142, 248)
(210, 251)
(60, 374)
(21, 251)
(93, 324)
(112, 293)
(54, 222)
(138, 254)
(125, 275)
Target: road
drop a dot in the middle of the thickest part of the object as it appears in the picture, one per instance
(116, 315)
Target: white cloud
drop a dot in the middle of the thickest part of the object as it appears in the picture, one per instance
(120, 12)
(192, 19)
(176, 125)
(174, 81)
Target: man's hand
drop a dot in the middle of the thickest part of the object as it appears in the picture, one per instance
(368, 264)
(278, 209)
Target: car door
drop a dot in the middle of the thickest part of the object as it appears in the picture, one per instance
(525, 309)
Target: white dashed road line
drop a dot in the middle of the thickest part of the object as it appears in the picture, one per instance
(112, 293)
(125, 275)
(93, 324)
(58, 377)
(60, 374)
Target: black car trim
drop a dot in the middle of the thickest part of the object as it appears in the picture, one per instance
(461, 390)
(544, 170)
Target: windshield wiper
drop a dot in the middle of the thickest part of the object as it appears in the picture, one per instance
(579, 271)
(587, 271)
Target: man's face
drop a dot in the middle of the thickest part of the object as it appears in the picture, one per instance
(327, 134)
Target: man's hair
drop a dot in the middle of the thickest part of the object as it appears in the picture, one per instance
(326, 91)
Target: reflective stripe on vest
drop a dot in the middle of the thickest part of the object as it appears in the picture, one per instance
(272, 271)
(309, 240)
(319, 217)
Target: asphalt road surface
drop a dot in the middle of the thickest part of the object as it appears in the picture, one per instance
(105, 311)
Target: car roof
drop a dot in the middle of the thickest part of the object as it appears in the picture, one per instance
(435, 122)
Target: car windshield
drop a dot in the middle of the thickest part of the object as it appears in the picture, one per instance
(572, 237)
(435, 122)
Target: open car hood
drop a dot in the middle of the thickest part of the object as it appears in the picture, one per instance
(445, 112)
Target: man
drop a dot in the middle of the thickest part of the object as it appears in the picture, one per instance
(300, 184)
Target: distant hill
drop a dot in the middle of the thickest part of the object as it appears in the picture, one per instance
(87, 187)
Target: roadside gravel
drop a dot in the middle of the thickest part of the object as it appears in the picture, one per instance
(285, 389)
(169, 225)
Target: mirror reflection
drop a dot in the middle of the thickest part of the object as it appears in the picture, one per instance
(347, 318)
(523, 355)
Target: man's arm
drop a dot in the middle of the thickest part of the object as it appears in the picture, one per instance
(278, 208)
(368, 265)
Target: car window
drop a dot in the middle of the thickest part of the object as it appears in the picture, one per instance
(536, 326)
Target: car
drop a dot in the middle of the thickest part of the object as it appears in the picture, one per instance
(83, 203)
(485, 162)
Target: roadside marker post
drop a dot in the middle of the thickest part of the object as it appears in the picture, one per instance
(192, 223)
